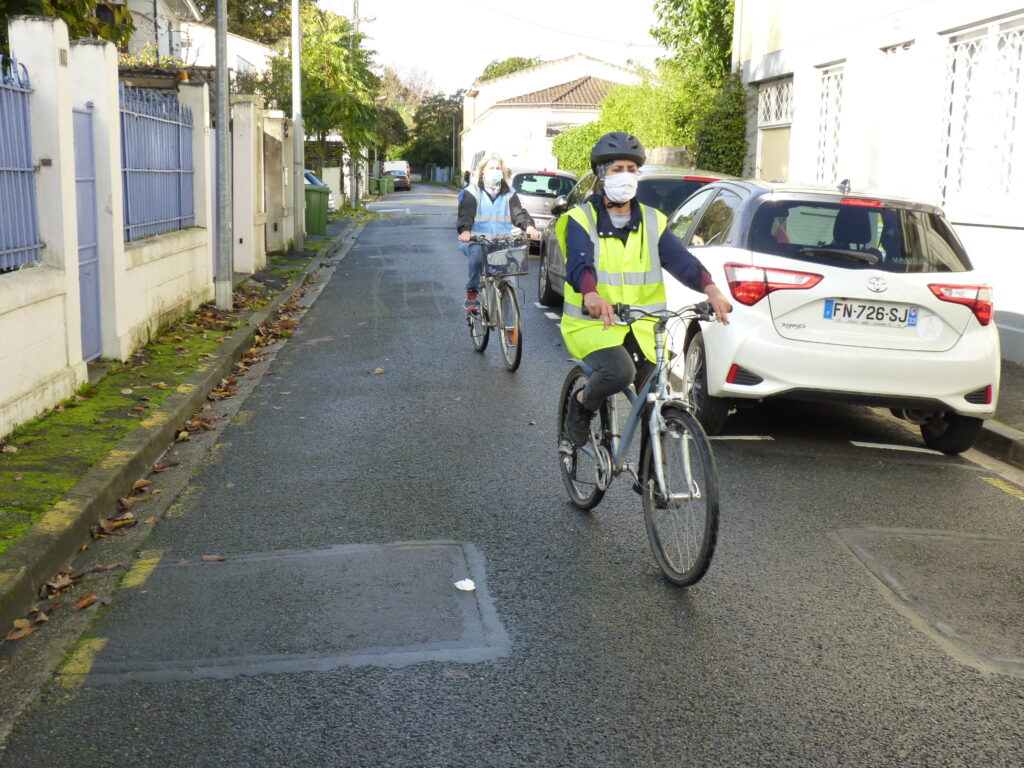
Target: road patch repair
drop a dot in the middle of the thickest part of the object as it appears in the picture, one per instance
(293, 611)
(964, 590)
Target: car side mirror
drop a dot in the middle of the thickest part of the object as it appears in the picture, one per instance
(561, 203)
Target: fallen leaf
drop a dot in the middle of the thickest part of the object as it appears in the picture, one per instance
(155, 492)
(22, 623)
(182, 436)
(126, 391)
(110, 567)
(79, 399)
(123, 504)
(18, 477)
(59, 409)
(378, 370)
(9, 449)
(532, 424)
(212, 558)
(42, 618)
(85, 601)
(284, 393)
(161, 385)
(17, 634)
(140, 484)
(139, 409)
(149, 520)
(164, 465)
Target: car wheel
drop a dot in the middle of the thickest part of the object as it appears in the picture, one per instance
(710, 411)
(546, 294)
(950, 432)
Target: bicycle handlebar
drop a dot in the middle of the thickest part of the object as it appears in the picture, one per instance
(700, 311)
(514, 239)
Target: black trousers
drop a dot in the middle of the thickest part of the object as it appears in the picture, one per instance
(615, 368)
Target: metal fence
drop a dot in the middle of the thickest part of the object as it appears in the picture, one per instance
(19, 226)
(156, 158)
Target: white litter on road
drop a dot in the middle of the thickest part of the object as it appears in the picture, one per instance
(466, 585)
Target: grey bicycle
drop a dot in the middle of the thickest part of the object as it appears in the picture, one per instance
(504, 258)
(677, 477)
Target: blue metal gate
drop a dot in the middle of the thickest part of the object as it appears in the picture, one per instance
(88, 234)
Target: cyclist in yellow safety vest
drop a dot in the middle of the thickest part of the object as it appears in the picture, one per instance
(615, 249)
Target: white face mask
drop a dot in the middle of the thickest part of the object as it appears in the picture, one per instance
(620, 187)
(493, 176)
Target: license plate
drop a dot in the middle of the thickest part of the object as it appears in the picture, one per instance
(873, 313)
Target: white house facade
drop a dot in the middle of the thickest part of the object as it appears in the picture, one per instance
(519, 114)
(925, 102)
(199, 48)
(158, 24)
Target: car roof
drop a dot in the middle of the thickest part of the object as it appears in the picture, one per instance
(679, 172)
(554, 171)
(785, 190)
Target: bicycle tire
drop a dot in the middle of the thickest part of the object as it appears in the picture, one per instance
(578, 468)
(682, 532)
(479, 330)
(510, 329)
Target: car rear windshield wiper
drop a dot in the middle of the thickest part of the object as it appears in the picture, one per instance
(843, 253)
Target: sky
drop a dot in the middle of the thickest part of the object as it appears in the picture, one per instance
(453, 40)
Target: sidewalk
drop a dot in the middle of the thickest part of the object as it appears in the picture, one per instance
(1003, 436)
(73, 484)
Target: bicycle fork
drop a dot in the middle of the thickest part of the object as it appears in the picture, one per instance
(657, 428)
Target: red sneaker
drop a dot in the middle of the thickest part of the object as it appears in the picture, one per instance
(472, 301)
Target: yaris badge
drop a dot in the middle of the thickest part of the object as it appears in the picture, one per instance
(877, 284)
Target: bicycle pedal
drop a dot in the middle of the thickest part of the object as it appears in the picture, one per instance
(565, 447)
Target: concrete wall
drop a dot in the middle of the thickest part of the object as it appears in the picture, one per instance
(893, 115)
(199, 48)
(277, 146)
(143, 285)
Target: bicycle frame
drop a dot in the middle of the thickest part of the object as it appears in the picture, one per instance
(655, 390)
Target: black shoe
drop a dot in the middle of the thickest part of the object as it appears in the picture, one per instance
(577, 422)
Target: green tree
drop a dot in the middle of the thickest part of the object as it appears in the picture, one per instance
(391, 132)
(434, 123)
(721, 132)
(79, 15)
(338, 86)
(266, 21)
(698, 32)
(502, 67)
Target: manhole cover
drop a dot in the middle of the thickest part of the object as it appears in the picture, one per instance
(302, 610)
(968, 589)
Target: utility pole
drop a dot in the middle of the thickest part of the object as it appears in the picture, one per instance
(299, 139)
(353, 176)
(223, 286)
(452, 175)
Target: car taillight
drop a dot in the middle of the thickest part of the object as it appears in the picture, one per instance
(977, 297)
(751, 284)
(862, 202)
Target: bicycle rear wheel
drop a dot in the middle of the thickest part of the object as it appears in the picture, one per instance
(510, 325)
(479, 331)
(581, 466)
(683, 525)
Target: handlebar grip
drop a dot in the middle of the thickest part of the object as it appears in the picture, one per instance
(622, 310)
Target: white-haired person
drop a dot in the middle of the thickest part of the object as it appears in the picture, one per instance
(488, 206)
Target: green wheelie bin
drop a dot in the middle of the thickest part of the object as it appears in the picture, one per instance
(316, 209)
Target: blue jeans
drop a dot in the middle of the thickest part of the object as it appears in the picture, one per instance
(475, 253)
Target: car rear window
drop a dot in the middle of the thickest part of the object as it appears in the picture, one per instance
(666, 194)
(542, 185)
(857, 236)
(396, 173)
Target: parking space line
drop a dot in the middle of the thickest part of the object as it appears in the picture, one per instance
(1005, 486)
(552, 316)
(891, 447)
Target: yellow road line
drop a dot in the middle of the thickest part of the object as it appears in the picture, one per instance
(141, 568)
(1002, 485)
(74, 671)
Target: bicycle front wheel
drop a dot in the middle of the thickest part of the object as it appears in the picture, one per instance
(682, 523)
(581, 466)
(479, 331)
(510, 325)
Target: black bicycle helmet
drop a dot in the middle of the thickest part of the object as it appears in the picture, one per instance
(617, 145)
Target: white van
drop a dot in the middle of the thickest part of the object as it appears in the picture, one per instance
(398, 165)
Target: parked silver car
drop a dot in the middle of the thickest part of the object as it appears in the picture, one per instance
(661, 186)
(539, 189)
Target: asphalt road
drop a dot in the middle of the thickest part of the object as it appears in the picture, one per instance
(345, 503)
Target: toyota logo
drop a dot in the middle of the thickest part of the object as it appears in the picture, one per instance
(877, 284)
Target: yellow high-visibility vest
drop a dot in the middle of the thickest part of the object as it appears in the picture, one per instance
(627, 272)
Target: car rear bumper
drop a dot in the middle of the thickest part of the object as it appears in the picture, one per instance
(881, 377)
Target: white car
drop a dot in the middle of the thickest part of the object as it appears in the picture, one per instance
(841, 297)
